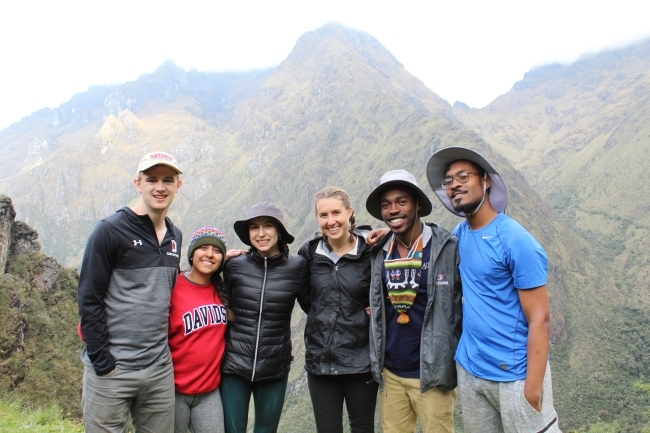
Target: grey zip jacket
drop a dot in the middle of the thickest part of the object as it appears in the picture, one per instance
(441, 328)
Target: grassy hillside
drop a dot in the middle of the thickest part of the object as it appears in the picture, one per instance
(340, 110)
(15, 416)
(39, 347)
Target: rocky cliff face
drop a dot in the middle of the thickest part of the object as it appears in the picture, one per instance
(38, 313)
(16, 237)
(7, 215)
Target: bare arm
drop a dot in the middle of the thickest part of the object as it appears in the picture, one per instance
(534, 302)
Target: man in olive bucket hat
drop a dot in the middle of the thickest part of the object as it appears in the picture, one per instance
(415, 303)
(504, 379)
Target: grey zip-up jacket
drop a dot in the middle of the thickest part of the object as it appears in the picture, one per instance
(442, 317)
(124, 290)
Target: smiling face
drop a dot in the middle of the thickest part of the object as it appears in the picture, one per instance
(206, 260)
(158, 187)
(399, 209)
(264, 236)
(465, 197)
(333, 218)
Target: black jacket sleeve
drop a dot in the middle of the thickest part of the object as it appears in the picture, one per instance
(96, 270)
(304, 295)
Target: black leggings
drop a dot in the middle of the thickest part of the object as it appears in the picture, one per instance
(358, 391)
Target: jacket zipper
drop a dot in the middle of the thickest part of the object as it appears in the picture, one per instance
(432, 261)
(333, 330)
(379, 351)
(259, 319)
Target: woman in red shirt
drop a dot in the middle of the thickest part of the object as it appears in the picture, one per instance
(197, 328)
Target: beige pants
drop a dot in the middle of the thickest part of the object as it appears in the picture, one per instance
(401, 403)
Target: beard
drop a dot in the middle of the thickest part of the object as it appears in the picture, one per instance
(467, 208)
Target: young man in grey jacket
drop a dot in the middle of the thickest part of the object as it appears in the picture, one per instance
(127, 274)
(415, 303)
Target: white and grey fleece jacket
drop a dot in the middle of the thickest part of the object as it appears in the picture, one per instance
(124, 289)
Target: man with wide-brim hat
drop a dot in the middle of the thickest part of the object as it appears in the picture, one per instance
(504, 379)
(413, 339)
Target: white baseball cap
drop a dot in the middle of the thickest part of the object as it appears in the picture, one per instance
(158, 158)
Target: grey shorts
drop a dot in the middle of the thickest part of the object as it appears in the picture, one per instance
(501, 407)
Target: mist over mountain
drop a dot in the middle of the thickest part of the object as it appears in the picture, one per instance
(341, 110)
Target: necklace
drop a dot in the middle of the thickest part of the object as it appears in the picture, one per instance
(345, 247)
(408, 247)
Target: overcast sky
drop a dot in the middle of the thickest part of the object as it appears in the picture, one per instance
(472, 51)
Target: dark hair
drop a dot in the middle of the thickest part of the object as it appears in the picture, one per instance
(220, 288)
(332, 191)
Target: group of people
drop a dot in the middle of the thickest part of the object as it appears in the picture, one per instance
(411, 312)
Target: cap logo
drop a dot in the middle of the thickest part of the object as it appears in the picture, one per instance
(157, 156)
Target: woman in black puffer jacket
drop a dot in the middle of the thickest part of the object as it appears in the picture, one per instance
(336, 335)
(264, 285)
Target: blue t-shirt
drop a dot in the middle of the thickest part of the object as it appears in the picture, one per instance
(495, 262)
(402, 352)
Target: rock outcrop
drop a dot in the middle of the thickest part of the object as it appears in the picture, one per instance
(16, 237)
(38, 313)
(7, 217)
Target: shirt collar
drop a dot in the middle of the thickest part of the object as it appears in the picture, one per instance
(427, 234)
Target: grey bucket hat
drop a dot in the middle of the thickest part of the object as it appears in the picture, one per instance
(436, 172)
(395, 178)
(259, 210)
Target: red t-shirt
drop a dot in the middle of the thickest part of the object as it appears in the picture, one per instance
(197, 330)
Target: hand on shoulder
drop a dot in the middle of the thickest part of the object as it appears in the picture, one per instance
(376, 235)
(234, 253)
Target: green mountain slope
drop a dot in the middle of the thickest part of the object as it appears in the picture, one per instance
(581, 135)
(340, 110)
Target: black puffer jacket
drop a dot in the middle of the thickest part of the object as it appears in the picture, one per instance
(263, 292)
(336, 335)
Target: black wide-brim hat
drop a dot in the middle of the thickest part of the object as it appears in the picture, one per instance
(437, 171)
(265, 209)
(397, 178)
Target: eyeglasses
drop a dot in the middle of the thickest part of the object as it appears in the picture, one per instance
(460, 177)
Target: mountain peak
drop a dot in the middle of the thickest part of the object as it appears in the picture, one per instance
(168, 71)
(335, 38)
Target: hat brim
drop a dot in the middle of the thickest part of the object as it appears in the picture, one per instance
(155, 163)
(436, 172)
(241, 229)
(373, 206)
